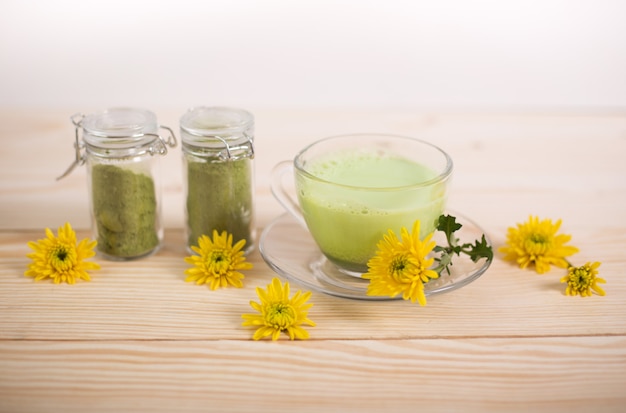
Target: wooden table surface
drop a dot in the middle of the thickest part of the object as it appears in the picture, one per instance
(138, 338)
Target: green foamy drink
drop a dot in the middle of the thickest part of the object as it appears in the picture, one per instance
(351, 198)
(352, 189)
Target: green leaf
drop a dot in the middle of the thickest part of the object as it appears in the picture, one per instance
(448, 224)
(481, 249)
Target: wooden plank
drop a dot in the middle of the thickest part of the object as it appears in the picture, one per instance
(557, 374)
(139, 338)
(148, 299)
(507, 165)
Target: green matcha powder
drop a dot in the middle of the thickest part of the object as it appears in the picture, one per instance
(219, 197)
(125, 211)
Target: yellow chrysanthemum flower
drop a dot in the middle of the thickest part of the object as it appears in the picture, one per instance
(278, 312)
(581, 280)
(218, 261)
(401, 266)
(537, 243)
(60, 258)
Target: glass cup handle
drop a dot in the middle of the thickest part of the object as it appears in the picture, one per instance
(281, 195)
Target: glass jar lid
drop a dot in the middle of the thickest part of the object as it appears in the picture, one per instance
(118, 133)
(227, 132)
(118, 128)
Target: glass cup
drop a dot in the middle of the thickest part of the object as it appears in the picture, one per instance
(353, 189)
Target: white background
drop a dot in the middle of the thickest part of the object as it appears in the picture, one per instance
(177, 54)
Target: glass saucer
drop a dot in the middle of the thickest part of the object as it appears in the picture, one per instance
(289, 250)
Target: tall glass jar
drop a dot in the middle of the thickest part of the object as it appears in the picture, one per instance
(218, 153)
(121, 148)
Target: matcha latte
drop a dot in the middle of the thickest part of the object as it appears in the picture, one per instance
(350, 198)
(352, 189)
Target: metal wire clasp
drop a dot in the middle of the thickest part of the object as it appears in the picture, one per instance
(159, 149)
(171, 141)
(231, 151)
(77, 120)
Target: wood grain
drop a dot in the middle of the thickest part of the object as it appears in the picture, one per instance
(148, 299)
(488, 375)
(138, 338)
